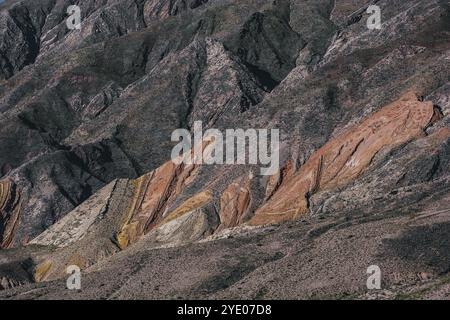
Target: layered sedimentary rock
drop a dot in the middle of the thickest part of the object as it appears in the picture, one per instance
(86, 118)
(9, 211)
(346, 156)
(83, 237)
(234, 203)
(193, 220)
(153, 193)
(75, 225)
(150, 196)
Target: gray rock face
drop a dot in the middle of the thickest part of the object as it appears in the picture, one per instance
(86, 118)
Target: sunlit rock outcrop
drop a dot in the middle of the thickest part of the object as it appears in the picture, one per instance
(9, 211)
(346, 156)
(86, 123)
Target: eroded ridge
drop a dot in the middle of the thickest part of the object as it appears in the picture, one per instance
(9, 211)
(346, 156)
(152, 193)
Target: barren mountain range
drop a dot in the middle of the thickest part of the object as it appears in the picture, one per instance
(86, 176)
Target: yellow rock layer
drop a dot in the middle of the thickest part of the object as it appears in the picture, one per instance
(196, 202)
(9, 211)
(152, 195)
(42, 270)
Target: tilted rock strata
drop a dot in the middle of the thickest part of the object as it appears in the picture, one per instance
(234, 203)
(346, 156)
(86, 112)
(152, 194)
(196, 202)
(91, 117)
(85, 236)
(9, 211)
(151, 217)
(75, 225)
(194, 220)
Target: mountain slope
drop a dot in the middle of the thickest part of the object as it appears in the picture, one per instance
(86, 121)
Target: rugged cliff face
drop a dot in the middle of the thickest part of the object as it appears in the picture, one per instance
(86, 118)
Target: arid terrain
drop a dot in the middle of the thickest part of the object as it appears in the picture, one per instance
(87, 178)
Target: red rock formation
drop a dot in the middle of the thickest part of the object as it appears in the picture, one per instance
(151, 195)
(234, 203)
(345, 157)
(156, 190)
(196, 202)
(9, 211)
(277, 179)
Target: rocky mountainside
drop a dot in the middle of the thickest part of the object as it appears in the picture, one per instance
(86, 176)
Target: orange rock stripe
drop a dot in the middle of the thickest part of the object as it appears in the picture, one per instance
(345, 157)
